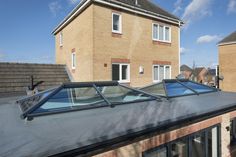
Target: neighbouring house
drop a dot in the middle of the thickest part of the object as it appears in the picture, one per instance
(227, 64)
(132, 41)
(199, 74)
(186, 71)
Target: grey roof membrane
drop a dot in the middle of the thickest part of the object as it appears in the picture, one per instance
(52, 134)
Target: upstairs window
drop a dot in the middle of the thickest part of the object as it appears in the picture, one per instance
(116, 23)
(73, 60)
(161, 33)
(120, 72)
(61, 38)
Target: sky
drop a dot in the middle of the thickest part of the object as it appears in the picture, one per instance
(26, 26)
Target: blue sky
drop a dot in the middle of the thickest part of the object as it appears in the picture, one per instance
(26, 25)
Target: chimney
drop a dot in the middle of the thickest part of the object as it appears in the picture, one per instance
(136, 2)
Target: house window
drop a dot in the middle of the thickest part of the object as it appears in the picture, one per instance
(161, 72)
(61, 38)
(73, 59)
(120, 72)
(233, 132)
(161, 33)
(200, 144)
(160, 152)
(116, 23)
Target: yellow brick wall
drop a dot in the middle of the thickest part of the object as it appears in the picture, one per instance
(227, 66)
(135, 44)
(78, 35)
(91, 35)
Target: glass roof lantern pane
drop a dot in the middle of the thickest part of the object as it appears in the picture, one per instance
(198, 87)
(156, 89)
(72, 98)
(176, 89)
(120, 94)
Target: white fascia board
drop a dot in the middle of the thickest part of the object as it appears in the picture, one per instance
(227, 43)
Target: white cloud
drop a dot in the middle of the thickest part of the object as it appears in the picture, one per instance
(231, 7)
(54, 7)
(183, 50)
(178, 6)
(196, 10)
(73, 2)
(208, 39)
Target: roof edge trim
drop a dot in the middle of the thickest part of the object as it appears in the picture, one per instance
(119, 5)
(227, 43)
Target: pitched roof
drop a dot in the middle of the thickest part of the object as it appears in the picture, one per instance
(149, 6)
(229, 39)
(185, 68)
(197, 71)
(144, 7)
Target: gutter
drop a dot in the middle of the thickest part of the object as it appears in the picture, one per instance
(83, 4)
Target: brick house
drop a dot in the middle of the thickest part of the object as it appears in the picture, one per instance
(134, 42)
(227, 64)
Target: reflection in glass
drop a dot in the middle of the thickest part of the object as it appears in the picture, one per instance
(70, 98)
(162, 152)
(119, 94)
(198, 144)
(156, 89)
(212, 143)
(179, 148)
(176, 89)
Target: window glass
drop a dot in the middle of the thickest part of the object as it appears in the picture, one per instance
(233, 132)
(198, 87)
(155, 31)
(179, 148)
(162, 152)
(115, 72)
(161, 73)
(124, 72)
(156, 73)
(176, 89)
(212, 139)
(70, 98)
(167, 33)
(198, 145)
(73, 60)
(167, 72)
(156, 89)
(119, 94)
(116, 22)
(161, 32)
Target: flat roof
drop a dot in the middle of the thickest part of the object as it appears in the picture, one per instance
(86, 130)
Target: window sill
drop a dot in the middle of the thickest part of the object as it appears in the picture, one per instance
(158, 42)
(116, 34)
(124, 81)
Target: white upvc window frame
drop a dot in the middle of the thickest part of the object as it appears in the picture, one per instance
(120, 72)
(61, 39)
(120, 23)
(158, 65)
(73, 60)
(158, 33)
